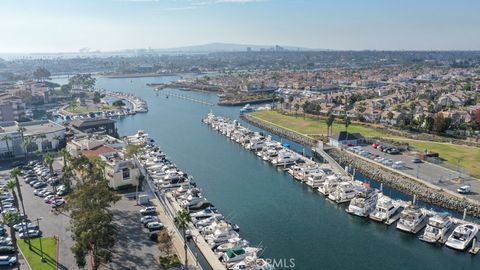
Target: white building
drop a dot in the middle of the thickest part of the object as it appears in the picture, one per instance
(41, 135)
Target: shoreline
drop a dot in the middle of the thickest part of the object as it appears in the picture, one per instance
(435, 196)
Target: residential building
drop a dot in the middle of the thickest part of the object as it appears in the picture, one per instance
(12, 108)
(95, 125)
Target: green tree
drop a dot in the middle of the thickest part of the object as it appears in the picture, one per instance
(429, 123)
(91, 217)
(96, 97)
(346, 122)
(297, 107)
(65, 156)
(281, 100)
(48, 159)
(41, 74)
(10, 219)
(6, 139)
(330, 121)
(82, 81)
(181, 220)
(118, 103)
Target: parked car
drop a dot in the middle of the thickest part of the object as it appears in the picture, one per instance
(2, 231)
(30, 234)
(8, 260)
(387, 162)
(375, 145)
(464, 189)
(17, 226)
(38, 191)
(148, 210)
(57, 203)
(147, 219)
(398, 165)
(416, 160)
(154, 226)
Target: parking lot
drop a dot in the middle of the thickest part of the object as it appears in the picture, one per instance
(134, 249)
(426, 171)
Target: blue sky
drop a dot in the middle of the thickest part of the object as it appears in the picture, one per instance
(69, 25)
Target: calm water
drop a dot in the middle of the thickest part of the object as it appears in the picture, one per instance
(286, 217)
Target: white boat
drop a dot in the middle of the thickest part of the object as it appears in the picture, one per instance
(253, 263)
(220, 237)
(364, 202)
(412, 219)
(315, 180)
(232, 243)
(462, 236)
(437, 228)
(237, 254)
(385, 209)
(329, 185)
(285, 158)
(344, 192)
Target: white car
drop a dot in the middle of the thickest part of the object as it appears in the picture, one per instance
(148, 210)
(154, 226)
(47, 198)
(147, 219)
(464, 189)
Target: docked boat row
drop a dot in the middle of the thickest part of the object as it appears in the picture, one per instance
(362, 200)
(220, 234)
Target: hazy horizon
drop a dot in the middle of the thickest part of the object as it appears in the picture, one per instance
(54, 26)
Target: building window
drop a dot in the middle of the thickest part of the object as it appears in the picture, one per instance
(126, 173)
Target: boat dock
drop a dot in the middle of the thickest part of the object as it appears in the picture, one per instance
(239, 134)
(185, 97)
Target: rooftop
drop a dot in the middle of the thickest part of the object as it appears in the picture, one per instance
(31, 127)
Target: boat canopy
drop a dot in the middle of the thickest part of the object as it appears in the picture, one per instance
(235, 251)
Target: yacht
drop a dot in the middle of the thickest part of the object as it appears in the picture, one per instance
(285, 158)
(364, 202)
(345, 192)
(328, 185)
(437, 228)
(220, 237)
(385, 209)
(232, 243)
(237, 254)
(412, 219)
(246, 109)
(462, 236)
(315, 180)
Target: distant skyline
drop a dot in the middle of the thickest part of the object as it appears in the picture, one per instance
(32, 26)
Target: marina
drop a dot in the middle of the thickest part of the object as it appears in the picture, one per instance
(340, 189)
(256, 196)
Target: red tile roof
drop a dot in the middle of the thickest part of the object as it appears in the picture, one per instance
(98, 150)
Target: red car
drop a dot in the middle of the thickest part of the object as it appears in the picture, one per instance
(375, 145)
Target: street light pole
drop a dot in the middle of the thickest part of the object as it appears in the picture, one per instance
(41, 246)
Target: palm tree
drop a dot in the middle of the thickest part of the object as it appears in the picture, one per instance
(330, 120)
(14, 173)
(297, 107)
(65, 155)
(26, 144)
(347, 123)
(11, 219)
(6, 139)
(281, 100)
(48, 159)
(181, 220)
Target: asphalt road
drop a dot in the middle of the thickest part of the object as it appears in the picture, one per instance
(432, 173)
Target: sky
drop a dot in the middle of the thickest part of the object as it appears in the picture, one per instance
(28, 26)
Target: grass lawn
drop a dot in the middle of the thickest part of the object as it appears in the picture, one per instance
(34, 256)
(311, 126)
(470, 156)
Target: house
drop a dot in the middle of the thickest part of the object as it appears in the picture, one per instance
(343, 138)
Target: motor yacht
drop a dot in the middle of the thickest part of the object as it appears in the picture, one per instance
(364, 202)
(220, 237)
(344, 192)
(315, 180)
(285, 158)
(385, 209)
(462, 236)
(437, 228)
(412, 219)
(239, 242)
(329, 185)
